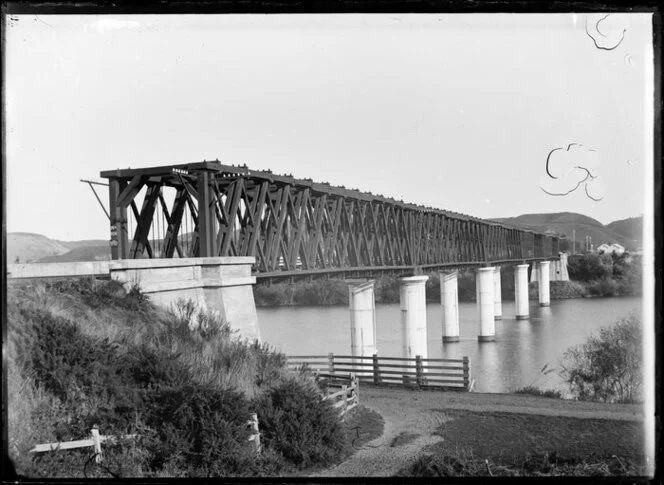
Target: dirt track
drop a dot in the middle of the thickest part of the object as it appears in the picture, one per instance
(422, 412)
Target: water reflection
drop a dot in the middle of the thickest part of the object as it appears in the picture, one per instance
(515, 359)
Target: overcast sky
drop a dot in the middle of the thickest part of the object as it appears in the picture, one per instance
(456, 111)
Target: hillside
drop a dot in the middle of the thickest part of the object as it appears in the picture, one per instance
(631, 228)
(29, 248)
(624, 232)
(81, 253)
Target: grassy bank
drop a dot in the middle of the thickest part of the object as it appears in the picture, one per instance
(501, 444)
(84, 353)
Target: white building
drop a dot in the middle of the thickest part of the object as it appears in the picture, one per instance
(604, 249)
(614, 248)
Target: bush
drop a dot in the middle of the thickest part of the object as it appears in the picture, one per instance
(297, 424)
(73, 368)
(567, 289)
(326, 292)
(273, 295)
(536, 391)
(98, 293)
(589, 267)
(202, 431)
(467, 286)
(603, 287)
(386, 290)
(607, 367)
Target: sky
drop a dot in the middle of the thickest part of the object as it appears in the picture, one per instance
(492, 115)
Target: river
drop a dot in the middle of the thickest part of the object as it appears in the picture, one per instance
(522, 347)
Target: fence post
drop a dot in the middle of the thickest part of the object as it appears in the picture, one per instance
(418, 370)
(355, 387)
(255, 434)
(96, 443)
(330, 363)
(376, 370)
(345, 398)
(466, 373)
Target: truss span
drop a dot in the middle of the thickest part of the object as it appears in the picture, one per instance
(297, 227)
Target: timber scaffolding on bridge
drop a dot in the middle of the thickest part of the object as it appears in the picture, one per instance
(297, 227)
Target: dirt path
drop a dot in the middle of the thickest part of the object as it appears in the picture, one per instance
(420, 413)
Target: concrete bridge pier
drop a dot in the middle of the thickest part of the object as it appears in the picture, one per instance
(484, 281)
(497, 295)
(543, 284)
(521, 292)
(362, 318)
(449, 301)
(412, 298)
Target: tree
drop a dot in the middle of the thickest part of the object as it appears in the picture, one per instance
(589, 267)
(607, 367)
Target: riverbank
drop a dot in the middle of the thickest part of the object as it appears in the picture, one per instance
(591, 275)
(423, 429)
(335, 292)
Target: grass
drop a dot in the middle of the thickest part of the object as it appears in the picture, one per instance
(362, 425)
(503, 444)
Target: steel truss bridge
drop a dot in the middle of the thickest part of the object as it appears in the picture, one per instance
(297, 227)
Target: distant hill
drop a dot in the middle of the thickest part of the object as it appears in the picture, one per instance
(626, 232)
(81, 253)
(631, 228)
(29, 248)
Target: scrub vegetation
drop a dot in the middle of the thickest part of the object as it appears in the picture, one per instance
(83, 353)
(590, 275)
(608, 367)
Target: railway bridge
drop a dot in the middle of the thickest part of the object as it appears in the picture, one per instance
(211, 230)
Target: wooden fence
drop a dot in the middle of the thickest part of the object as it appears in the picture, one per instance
(349, 395)
(452, 374)
(96, 440)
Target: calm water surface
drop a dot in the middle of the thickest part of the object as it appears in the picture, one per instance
(514, 360)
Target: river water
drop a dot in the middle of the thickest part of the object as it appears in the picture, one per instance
(522, 347)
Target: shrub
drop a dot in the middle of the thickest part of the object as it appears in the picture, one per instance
(273, 295)
(98, 293)
(603, 287)
(567, 289)
(466, 286)
(202, 431)
(589, 266)
(607, 367)
(386, 290)
(536, 391)
(270, 365)
(432, 287)
(296, 423)
(326, 292)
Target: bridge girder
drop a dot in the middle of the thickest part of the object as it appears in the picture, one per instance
(299, 227)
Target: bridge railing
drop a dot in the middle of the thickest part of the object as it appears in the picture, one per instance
(445, 374)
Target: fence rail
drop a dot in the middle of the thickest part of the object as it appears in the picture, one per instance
(453, 374)
(97, 440)
(349, 395)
